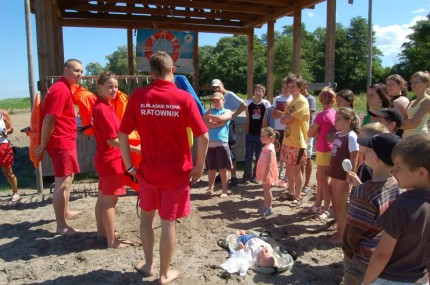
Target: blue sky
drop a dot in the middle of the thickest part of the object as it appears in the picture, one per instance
(391, 22)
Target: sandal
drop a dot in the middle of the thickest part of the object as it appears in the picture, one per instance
(311, 210)
(296, 202)
(323, 216)
(286, 197)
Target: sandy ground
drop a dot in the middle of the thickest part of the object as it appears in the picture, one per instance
(31, 253)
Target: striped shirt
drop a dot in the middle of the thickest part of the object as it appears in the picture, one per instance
(367, 202)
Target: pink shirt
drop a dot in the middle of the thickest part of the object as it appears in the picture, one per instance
(325, 119)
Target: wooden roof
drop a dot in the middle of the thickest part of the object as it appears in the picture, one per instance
(218, 16)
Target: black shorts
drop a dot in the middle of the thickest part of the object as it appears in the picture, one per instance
(218, 158)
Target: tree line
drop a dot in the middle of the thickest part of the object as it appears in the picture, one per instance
(227, 60)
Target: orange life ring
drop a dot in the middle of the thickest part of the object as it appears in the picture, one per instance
(35, 129)
(176, 45)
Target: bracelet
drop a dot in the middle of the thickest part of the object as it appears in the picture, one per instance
(131, 169)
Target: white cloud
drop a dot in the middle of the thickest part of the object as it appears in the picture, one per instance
(310, 14)
(419, 11)
(389, 39)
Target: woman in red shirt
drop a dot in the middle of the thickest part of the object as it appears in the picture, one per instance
(108, 160)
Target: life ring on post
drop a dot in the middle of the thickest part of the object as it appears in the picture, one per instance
(176, 45)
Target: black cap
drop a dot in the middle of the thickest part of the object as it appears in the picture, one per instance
(391, 114)
(382, 145)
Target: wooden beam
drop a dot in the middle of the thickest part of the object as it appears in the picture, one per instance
(270, 60)
(152, 19)
(121, 24)
(281, 12)
(297, 37)
(130, 53)
(145, 10)
(330, 41)
(250, 61)
(267, 2)
(258, 8)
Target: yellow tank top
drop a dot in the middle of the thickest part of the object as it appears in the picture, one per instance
(421, 128)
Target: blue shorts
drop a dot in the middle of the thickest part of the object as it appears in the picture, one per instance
(245, 238)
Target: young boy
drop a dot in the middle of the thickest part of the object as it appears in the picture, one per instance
(218, 156)
(403, 254)
(390, 118)
(367, 202)
(256, 109)
(307, 170)
(293, 151)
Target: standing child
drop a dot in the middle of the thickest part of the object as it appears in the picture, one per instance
(321, 128)
(267, 169)
(6, 152)
(345, 146)
(294, 144)
(418, 110)
(403, 254)
(256, 109)
(218, 156)
(368, 201)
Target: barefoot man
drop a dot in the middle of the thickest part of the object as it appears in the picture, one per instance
(58, 137)
(161, 114)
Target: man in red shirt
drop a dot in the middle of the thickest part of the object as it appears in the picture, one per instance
(161, 114)
(58, 137)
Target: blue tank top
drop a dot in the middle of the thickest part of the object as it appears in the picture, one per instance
(219, 134)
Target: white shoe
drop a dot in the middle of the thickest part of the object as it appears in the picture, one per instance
(15, 197)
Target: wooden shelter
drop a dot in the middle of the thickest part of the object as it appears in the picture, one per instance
(213, 16)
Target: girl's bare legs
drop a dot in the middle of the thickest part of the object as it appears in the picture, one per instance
(211, 181)
(224, 176)
(340, 191)
(268, 197)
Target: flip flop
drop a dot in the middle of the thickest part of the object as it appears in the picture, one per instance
(323, 216)
(296, 202)
(311, 210)
(286, 197)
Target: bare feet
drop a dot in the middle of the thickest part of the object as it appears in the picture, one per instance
(208, 193)
(121, 244)
(71, 214)
(68, 231)
(223, 195)
(170, 276)
(143, 268)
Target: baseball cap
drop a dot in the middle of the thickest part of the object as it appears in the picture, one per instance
(391, 114)
(382, 144)
(217, 95)
(216, 82)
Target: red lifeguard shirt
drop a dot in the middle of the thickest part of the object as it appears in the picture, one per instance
(58, 102)
(105, 126)
(161, 113)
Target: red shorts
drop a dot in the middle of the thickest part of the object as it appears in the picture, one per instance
(171, 203)
(6, 155)
(64, 161)
(112, 185)
(293, 156)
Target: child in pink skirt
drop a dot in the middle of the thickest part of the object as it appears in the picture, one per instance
(267, 169)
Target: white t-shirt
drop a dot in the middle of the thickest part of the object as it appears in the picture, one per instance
(279, 104)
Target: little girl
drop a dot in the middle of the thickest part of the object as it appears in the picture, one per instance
(344, 146)
(267, 169)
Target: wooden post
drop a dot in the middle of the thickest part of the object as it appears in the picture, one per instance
(31, 85)
(130, 56)
(250, 57)
(270, 59)
(330, 41)
(297, 36)
(196, 64)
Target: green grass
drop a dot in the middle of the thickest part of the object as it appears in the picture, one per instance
(13, 104)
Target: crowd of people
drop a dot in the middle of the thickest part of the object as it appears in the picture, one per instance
(379, 163)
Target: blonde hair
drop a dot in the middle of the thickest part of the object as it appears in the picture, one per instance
(349, 114)
(373, 129)
(424, 76)
(327, 96)
(160, 63)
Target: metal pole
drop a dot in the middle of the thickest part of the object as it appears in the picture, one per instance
(39, 178)
(370, 33)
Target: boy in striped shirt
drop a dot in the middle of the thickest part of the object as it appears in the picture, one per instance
(367, 202)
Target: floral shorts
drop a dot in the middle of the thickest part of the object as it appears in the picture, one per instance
(292, 155)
